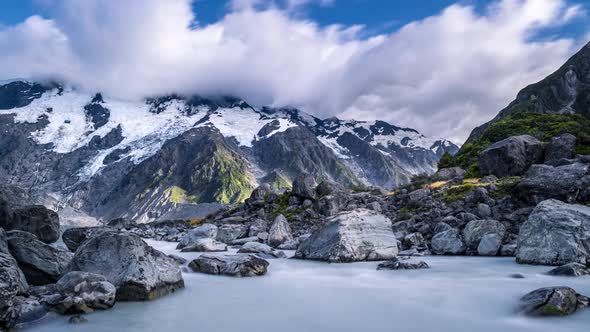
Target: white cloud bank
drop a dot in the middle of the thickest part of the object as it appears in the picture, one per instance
(442, 75)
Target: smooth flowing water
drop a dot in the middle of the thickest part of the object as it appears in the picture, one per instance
(455, 294)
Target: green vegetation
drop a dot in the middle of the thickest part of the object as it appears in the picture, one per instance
(445, 161)
(542, 126)
(505, 186)
(283, 202)
(276, 181)
(456, 193)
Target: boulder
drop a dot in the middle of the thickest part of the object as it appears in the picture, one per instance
(280, 232)
(261, 249)
(511, 156)
(396, 264)
(205, 244)
(330, 205)
(489, 245)
(544, 182)
(74, 237)
(260, 194)
(445, 174)
(560, 147)
(41, 263)
(12, 283)
(359, 235)
(570, 270)
(121, 223)
(556, 233)
(413, 240)
(448, 242)
(203, 231)
(304, 187)
(552, 301)
(138, 271)
(230, 265)
(327, 187)
(418, 197)
(476, 229)
(22, 310)
(83, 292)
(231, 232)
(35, 219)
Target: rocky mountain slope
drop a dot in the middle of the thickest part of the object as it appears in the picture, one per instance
(177, 156)
(558, 104)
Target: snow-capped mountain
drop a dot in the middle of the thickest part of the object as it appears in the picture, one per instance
(150, 159)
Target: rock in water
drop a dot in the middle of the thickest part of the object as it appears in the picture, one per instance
(280, 232)
(570, 270)
(83, 292)
(511, 156)
(204, 231)
(475, 230)
(560, 147)
(359, 235)
(35, 219)
(304, 186)
(555, 233)
(138, 271)
(396, 264)
(231, 265)
(261, 249)
(205, 244)
(229, 233)
(552, 301)
(448, 242)
(41, 263)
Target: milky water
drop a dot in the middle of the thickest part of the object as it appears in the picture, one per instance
(455, 294)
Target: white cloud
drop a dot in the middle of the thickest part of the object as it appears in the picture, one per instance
(442, 75)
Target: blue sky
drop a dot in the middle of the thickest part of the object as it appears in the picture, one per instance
(378, 16)
(440, 66)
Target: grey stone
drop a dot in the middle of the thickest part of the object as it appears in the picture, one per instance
(138, 271)
(280, 232)
(489, 245)
(445, 174)
(448, 242)
(232, 265)
(205, 244)
(570, 270)
(552, 301)
(41, 263)
(35, 219)
(360, 235)
(544, 182)
(261, 249)
(74, 237)
(230, 232)
(83, 292)
(304, 186)
(3, 243)
(203, 231)
(561, 147)
(511, 156)
(476, 229)
(396, 264)
(555, 233)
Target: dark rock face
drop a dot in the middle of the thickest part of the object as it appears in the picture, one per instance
(552, 301)
(230, 265)
(560, 147)
(37, 220)
(12, 283)
(19, 94)
(360, 235)
(74, 237)
(41, 263)
(396, 264)
(304, 186)
(3, 243)
(570, 270)
(138, 271)
(511, 156)
(555, 233)
(544, 182)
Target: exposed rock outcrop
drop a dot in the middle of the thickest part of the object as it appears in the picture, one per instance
(511, 156)
(230, 265)
(553, 301)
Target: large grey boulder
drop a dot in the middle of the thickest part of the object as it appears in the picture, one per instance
(228, 233)
(359, 235)
(445, 174)
(448, 242)
(475, 230)
(230, 265)
(279, 232)
(12, 284)
(570, 270)
(553, 301)
(555, 233)
(205, 244)
(511, 156)
(560, 147)
(261, 249)
(304, 187)
(203, 231)
(74, 237)
(544, 182)
(489, 245)
(41, 263)
(138, 271)
(35, 219)
(328, 187)
(82, 292)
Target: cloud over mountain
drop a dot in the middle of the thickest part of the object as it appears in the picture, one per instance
(443, 75)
